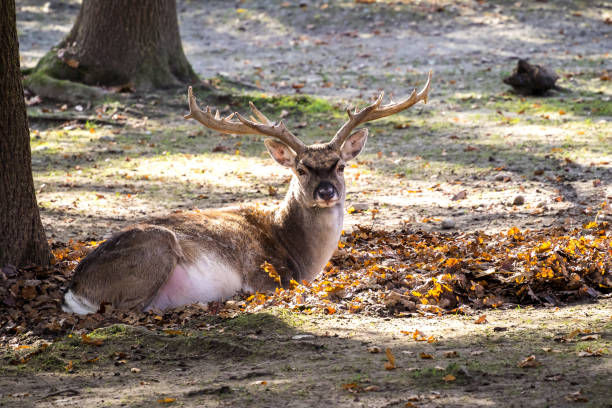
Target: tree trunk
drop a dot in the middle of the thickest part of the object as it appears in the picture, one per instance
(120, 42)
(22, 237)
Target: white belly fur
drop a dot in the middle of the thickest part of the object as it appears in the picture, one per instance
(78, 304)
(206, 280)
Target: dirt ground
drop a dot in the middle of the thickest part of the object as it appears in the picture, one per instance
(458, 163)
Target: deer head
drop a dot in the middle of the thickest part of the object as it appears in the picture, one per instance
(318, 168)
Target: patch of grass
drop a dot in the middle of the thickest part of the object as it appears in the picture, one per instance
(294, 104)
(275, 320)
(112, 332)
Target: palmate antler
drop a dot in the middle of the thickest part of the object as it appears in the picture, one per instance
(376, 111)
(243, 126)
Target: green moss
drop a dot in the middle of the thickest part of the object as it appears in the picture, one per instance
(300, 104)
(58, 89)
(110, 332)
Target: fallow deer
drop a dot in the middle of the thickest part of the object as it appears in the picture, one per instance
(214, 254)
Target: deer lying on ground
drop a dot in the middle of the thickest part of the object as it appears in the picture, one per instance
(214, 254)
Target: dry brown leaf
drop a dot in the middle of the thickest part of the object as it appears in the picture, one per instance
(576, 397)
(449, 378)
(72, 63)
(591, 353)
(390, 364)
(92, 342)
(460, 195)
(529, 362)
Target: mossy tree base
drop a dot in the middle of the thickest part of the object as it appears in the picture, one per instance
(115, 43)
(60, 89)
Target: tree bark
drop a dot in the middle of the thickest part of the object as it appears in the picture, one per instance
(120, 42)
(22, 237)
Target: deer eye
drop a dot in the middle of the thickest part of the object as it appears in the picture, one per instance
(341, 168)
(301, 172)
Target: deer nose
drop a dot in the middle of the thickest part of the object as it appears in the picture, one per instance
(325, 191)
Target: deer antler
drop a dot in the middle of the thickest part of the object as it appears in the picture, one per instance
(376, 111)
(243, 126)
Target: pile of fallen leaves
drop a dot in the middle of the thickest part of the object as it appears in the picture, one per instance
(403, 272)
(373, 272)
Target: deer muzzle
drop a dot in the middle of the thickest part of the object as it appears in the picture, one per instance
(326, 194)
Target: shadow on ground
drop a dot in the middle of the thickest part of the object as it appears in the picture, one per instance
(279, 358)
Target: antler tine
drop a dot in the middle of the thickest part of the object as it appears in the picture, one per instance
(375, 111)
(242, 126)
(278, 130)
(259, 115)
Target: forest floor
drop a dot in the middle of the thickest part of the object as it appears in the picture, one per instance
(458, 162)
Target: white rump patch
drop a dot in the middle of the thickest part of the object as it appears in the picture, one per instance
(208, 279)
(78, 304)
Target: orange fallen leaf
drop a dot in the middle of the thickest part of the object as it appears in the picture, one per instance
(72, 63)
(449, 378)
(425, 356)
(92, 342)
(390, 365)
(174, 332)
(481, 320)
(166, 400)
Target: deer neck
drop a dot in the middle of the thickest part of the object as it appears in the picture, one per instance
(309, 234)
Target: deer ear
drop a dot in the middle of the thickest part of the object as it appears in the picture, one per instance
(354, 144)
(280, 152)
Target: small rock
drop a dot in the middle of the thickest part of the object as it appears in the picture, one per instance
(518, 200)
(360, 207)
(302, 337)
(448, 223)
(460, 195)
(374, 349)
(135, 370)
(41, 148)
